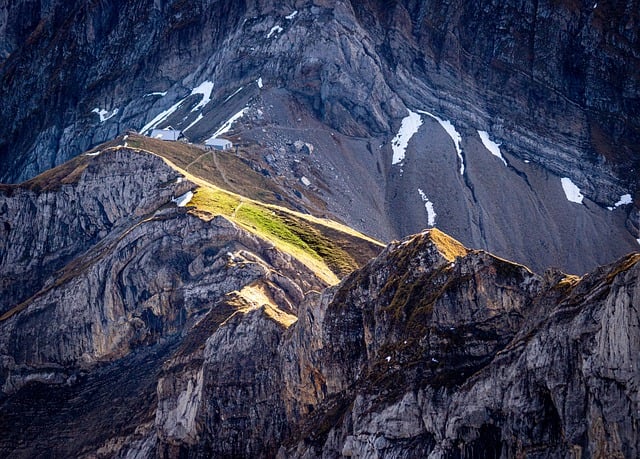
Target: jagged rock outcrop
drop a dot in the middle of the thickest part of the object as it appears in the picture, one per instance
(168, 334)
(555, 83)
(472, 357)
(142, 271)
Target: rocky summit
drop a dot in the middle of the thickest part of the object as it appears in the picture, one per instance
(168, 317)
(251, 229)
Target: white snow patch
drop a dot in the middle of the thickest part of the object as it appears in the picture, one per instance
(494, 148)
(434, 360)
(227, 125)
(105, 114)
(274, 29)
(409, 127)
(388, 358)
(527, 161)
(205, 89)
(196, 121)
(624, 199)
(638, 241)
(160, 94)
(260, 82)
(455, 136)
(161, 117)
(95, 153)
(184, 199)
(292, 15)
(428, 205)
(571, 191)
(305, 181)
(236, 92)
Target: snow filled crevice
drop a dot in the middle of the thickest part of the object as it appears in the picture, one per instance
(571, 191)
(410, 125)
(196, 121)
(453, 133)
(274, 30)
(227, 125)
(105, 114)
(493, 147)
(204, 89)
(428, 205)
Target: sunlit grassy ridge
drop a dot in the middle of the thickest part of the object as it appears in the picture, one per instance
(229, 187)
(289, 232)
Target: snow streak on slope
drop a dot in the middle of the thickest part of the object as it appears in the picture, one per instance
(428, 205)
(455, 136)
(494, 148)
(196, 121)
(234, 93)
(571, 191)
(161, 117)
(409, 127)
(104, 114)
(227, 125)
(275, 29)
(204, 89)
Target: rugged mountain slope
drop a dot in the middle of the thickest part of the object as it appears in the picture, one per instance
(555, 83)
(209, 330)
(124, 278)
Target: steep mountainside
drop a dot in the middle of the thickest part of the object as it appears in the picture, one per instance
(180, 319)
(386, 111)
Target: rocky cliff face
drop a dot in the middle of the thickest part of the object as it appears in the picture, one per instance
(554, 83)
(167, 331)
(472, 357)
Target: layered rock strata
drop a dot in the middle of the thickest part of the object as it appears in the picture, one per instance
(163, 334)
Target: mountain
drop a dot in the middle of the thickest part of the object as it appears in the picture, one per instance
(512, 126)
(298, 295)
(171, 317)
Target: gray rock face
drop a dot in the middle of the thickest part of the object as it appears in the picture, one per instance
(53, 219)
(476, 357)
(123, 282)
(164, 334)
(554, 83)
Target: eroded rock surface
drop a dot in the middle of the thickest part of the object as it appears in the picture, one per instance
(164, 334)
(555, 83)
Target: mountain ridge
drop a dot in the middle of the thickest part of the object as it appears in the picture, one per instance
(555, 85)
(430, 348)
